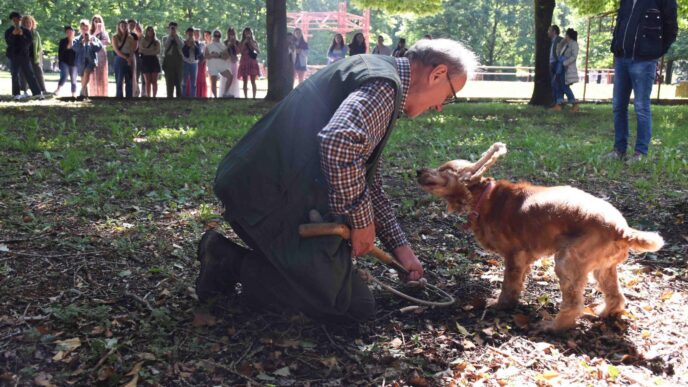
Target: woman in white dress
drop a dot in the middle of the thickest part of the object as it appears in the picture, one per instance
(217, 56)
(233, 50)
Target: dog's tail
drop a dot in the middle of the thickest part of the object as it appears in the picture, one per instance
(643, 241)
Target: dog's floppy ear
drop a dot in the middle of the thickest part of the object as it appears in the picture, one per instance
(487, 160)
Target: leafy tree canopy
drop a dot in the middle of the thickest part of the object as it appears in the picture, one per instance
(429, 7)
(595, 7)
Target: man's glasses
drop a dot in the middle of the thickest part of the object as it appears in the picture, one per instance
(453, 97)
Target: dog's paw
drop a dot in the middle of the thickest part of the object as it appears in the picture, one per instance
(605, 312)
(504, 304)
(549, 327)
(544, 326)
(552, 327)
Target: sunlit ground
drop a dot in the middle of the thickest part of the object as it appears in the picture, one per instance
(473, 89)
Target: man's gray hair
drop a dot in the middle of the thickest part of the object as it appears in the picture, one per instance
(455, 55)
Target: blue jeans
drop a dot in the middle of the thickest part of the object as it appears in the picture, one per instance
(67, 70)
(637, 76)
(569, 94)
(123, 74)
(557, 84)
(189, 80)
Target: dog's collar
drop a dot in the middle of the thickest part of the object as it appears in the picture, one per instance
(473, 215)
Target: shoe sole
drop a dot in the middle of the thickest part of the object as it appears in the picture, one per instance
(213, 239)
(200, 254)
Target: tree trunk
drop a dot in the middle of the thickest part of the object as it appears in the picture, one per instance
(280, 68)
(542, 92)
(492, 41)
(669, 71)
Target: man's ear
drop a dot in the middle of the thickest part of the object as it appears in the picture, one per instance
(438, 74)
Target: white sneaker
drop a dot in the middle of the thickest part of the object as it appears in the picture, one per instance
(41, 96)
(25, 95)
(17, 97)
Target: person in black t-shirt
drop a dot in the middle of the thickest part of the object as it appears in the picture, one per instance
(67, 61)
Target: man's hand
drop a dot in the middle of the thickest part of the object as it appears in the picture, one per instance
(362, 240)
(408, 259)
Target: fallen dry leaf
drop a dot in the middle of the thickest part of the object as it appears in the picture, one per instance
(105, 373)
(203, 319)
(462, 330)
(68, 345)
(284, 371)
(396, 343)
(43, 379)
(549, 374)
(521, 320)
(666, 295)
(329, 362)
(417, 380)
(147, 356)
(59, 356)
(468, 345)
(135, 369)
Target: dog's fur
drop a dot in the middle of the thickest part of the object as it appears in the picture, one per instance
(523, 222)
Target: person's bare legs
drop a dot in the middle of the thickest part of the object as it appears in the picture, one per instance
(213, 85)
(245, 87)
(147, 83)
(84, 82)
(253, 84)
(228, 76)
(300, 75)
(154, 84)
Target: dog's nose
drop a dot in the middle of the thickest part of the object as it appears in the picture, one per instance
(419, 172)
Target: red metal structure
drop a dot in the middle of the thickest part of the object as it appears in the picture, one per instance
(340, 21)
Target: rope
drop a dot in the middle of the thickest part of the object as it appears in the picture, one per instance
(447, 301)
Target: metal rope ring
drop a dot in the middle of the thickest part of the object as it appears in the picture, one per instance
(448, 300)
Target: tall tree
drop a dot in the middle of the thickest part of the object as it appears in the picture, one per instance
(542, 92)
(280, 68)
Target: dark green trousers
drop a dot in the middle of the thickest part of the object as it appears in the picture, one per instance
(263, 286)
(174, 69)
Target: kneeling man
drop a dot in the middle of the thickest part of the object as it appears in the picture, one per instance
(319, 149)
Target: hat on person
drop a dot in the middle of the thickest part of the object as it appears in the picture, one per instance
(172, 24)
(14, 14)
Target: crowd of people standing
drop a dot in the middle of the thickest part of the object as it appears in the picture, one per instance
(190, 61)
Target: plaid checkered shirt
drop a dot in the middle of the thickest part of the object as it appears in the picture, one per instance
(348, 141)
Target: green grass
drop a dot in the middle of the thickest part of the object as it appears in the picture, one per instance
(114, 195)
(123, 151)
(551, 148)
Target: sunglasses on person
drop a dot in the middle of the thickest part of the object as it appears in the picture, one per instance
(453, 98)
